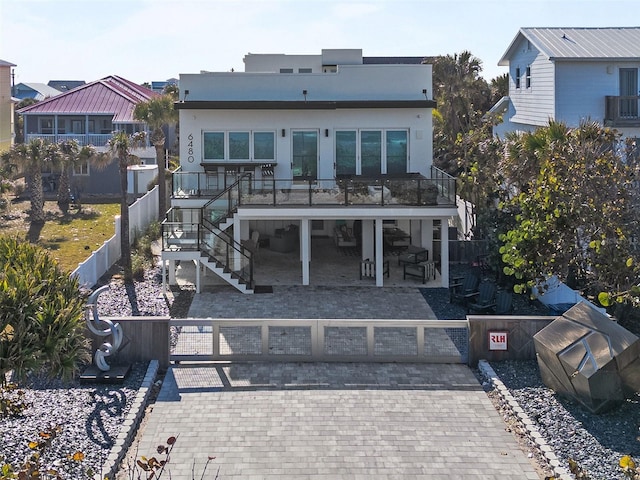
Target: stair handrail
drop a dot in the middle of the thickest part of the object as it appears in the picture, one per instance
(228, 191)
(233, 252)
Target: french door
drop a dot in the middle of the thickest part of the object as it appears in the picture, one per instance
(305, 154)
(371, 152)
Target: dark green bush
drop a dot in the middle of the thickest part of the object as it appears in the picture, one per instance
(42, 326)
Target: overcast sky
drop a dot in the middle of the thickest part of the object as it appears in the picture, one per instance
(145, 40)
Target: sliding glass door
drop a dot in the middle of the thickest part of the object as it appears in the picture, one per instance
(346, 152)
(371, 152)
(305, 154)
(396, 143)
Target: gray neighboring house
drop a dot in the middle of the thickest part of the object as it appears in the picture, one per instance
(37, 91)
(90, 114)
(65, 85)
(570, 75)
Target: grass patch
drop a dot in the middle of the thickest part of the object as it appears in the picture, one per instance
(69, 238)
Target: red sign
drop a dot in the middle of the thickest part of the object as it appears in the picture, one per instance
(498, 340)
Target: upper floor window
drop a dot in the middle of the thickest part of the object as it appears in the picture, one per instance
(46, 126)
(286, 70)
(77, 126)
(304, 70)
(517, 79)
(528, 76)
(239, 146)
(371, 152)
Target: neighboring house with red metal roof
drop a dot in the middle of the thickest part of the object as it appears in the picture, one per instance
(90, 114)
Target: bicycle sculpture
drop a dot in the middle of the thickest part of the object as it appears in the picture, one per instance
(102, 328)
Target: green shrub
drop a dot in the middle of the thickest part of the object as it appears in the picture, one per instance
(138, 265)
(42, 325)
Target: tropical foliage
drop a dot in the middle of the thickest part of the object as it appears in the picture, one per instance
(463, 97)
(574, 199)
(41, 314)
(30, 159)
(120, 148)
(70, 154)
(158, 112)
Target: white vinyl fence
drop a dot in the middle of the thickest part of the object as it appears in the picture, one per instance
(141, 214)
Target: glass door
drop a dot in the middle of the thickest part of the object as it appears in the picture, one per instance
(305, 154)
(371, 152)
(396, 144)
(346, 152)
(629, 88)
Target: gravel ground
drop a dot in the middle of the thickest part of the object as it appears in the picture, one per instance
(89, 416)
(596, 442)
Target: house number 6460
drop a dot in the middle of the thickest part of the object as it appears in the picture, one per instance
(190, 157)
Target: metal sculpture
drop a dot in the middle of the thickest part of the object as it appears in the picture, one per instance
(102, 327)
(585, 355)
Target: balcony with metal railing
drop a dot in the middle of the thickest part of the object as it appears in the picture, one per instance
(408, 190)
(95, 139)
(622, 111)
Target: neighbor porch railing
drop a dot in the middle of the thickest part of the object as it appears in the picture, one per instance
(622, 111)
(95, 139)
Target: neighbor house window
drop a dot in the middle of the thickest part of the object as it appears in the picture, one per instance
(517, 79)
(81, 169)
(528, 77)
(77, 126)
(286, 70)
(304, 70)
(46, 126)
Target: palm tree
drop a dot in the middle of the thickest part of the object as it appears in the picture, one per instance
(463, 96)
(119, 148)
(29, 159)
(158, 112)
(71, 155)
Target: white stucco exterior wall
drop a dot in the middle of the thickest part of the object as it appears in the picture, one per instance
(418, 122)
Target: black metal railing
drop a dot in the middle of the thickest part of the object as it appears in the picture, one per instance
(230, 191)
(622, 111)
(221, 248)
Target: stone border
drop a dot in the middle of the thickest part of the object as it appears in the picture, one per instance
(129, 425)
(529, 425)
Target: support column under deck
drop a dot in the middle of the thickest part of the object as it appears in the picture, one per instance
(305, 249)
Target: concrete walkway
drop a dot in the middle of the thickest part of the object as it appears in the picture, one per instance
(331, 421)
(328, 420)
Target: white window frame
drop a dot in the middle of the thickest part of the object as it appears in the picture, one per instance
(226, 155)
(84, 169)
(383, 163)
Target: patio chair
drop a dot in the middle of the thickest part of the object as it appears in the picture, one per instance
(460, 291)
(504, 303)
(485, 300)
